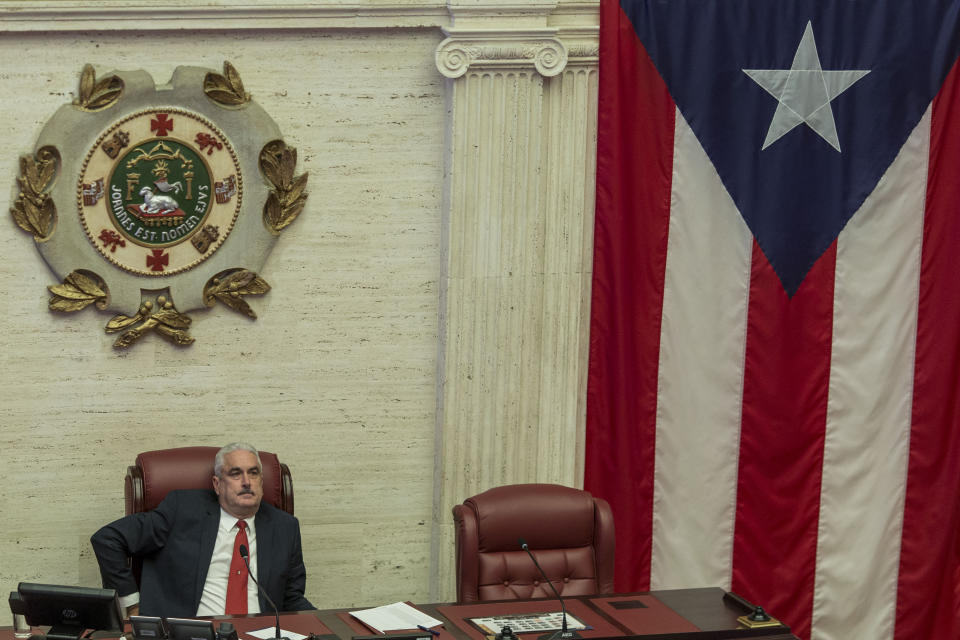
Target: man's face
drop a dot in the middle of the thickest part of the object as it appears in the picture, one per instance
(240, 485)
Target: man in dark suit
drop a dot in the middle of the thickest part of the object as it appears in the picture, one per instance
(190, 542)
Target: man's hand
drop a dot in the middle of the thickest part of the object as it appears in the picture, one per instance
(133, 610)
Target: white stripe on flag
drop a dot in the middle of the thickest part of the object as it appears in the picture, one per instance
(869, 409)
(703, 330)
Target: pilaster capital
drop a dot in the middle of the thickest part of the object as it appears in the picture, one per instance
(501, 49)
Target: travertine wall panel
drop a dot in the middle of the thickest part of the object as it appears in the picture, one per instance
(426, 335)
(338, 373)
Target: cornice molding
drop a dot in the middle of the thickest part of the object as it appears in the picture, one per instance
(544, 35)
(80, 16)
(495, 13)
(583, 44)
(103, 15)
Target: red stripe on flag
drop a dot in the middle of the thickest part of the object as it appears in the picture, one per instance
(927, 605)
(786, 381)
(634, 169)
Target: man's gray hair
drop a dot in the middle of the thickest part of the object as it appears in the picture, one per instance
(230, 448)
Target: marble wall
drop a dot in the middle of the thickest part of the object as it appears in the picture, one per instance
(425, 335)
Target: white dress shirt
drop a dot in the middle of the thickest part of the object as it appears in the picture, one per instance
(213, 602)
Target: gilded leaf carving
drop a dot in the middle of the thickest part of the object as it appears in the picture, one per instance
(288, 197)
(120, 322)
(270, 162)
(87, 80)
(297, 188)
(172, 318)
(34, 210)
(77, 292)
(272, 211)
(226, 89)
(174, 335)
(229, 288)
(166, 321)
(95, 95)
(127, 338)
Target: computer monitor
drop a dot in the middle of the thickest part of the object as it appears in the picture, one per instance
(147, 628)
(187, 629)
(69, 611)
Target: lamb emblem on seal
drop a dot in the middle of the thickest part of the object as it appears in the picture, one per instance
(157, 204)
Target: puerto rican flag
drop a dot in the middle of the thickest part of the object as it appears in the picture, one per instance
(774, 386)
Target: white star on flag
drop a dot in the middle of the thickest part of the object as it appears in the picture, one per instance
(804, 92)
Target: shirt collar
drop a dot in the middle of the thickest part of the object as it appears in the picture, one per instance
(228, 521)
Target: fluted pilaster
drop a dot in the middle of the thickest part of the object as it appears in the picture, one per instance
(518, 251)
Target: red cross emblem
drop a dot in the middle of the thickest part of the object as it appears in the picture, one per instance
(158, 260)
(161, 124)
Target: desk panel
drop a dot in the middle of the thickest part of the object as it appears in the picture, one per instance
(359, 628)
(302, 623)
(459, 613)
(643, 614)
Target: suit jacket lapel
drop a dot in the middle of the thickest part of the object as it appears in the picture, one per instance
(264, 544)
(208, 538)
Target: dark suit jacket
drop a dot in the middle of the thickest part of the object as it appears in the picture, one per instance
(176, 543)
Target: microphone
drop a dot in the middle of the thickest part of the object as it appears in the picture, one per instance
(563, 634)
(276, 611)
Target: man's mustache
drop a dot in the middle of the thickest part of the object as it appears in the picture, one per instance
(245, 492)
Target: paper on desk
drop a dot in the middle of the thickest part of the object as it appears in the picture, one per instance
(269, 633)
(391, 617)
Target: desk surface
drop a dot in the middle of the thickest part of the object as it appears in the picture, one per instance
(682, 614)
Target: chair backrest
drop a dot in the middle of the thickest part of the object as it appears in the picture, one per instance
(156, 473)
(570, 532)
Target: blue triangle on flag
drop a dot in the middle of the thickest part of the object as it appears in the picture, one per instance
(801, 105)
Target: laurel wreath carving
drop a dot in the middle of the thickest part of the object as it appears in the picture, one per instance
(95, 95)
(286, 200)
(77, 292)
(230, 286)
(167, 321)
(226, 89)
(34, 210)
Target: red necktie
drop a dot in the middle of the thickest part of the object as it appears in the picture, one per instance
(237, 582)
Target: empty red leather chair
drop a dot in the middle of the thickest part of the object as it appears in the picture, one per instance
(570, 532)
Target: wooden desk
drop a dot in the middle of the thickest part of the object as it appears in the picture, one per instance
(682, 614)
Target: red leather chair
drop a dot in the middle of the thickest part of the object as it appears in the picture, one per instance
(156, 473)
(569, 531)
